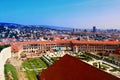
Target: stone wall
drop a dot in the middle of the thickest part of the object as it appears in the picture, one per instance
(4, 55)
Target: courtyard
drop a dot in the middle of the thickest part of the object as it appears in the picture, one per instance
(31, 67)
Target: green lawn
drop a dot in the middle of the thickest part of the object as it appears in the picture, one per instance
(10, 68)
(29, 69)
(26, 64)
(31, 75)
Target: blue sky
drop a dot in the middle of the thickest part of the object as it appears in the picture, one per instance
(68, 13)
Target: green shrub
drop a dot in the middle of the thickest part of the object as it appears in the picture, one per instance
(95, 64)
(4, 46)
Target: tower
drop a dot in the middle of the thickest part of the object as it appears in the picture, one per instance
(94, 28)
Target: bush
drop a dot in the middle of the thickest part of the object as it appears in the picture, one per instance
(103, 67)
(93, 56)
(95, 64)
(112, 61)
(2, 47)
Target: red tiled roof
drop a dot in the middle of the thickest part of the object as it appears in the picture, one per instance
(76, 42)
(69, 41)
(95, 42)
(14, 48)
(4, 43)
(71, 68)
(44, 42)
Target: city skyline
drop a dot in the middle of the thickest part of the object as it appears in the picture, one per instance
(74, 13)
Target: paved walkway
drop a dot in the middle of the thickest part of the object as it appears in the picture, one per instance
(17, 63)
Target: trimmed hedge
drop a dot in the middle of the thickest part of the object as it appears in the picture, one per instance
(92, 55)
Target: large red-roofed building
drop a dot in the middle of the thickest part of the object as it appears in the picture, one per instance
(104, 48)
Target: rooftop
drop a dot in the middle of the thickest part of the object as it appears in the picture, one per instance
(71, 68)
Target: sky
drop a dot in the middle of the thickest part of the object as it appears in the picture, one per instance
(104, 14)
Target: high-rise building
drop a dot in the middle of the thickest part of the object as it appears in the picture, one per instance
(94, 28)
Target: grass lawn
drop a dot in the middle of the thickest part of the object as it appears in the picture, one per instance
(31, 75)
(29, 70)
(10, 68)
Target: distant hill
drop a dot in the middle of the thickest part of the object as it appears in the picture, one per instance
(14, 25)
(57, 27)
(11, 25)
